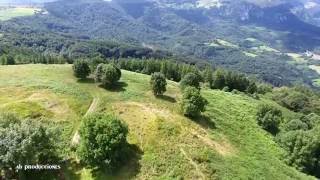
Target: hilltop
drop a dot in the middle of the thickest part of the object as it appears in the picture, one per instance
(225, 143)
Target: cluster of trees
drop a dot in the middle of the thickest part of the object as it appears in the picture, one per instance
(192, 103)
(103, 141)
(299, 137)
(301, 140)
(298, 99)
(26, 142)
(8, 59)
(106, 74)
(219, 79)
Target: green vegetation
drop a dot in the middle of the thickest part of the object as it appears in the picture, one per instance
(81, 69)
(192, 102)
(225, 142)
(107, 74)
(269, 118)
(190, 79)
(9, 13)
(103, 140)
(25, 142)
(301, 140)
(158, 84)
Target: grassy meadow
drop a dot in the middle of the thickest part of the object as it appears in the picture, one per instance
(225, 143)
(9, 13)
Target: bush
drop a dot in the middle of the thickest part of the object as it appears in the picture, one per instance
(103, 141)
(25, 142)
(190, 79)
(107, 74)
(81, 69)
(158, 83)
(269, 118)
(192, 102)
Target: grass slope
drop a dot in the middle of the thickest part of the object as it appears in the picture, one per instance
(226, 143)
(9, 13)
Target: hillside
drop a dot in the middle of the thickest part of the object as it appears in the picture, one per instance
(226, 143)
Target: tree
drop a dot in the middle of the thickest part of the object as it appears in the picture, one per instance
(252, 88)
(219, 81)
(269, 118)
(107, 74)
(103, 140)
(158, 83)
(81, 69)
(208, 76)
(192, 102)
(190, 79)
(111, 74)
(25, 142)
(10, 60)
(7, 60)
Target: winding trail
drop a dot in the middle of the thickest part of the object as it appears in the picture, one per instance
(76, 137)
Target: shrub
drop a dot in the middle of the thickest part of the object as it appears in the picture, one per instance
(269, 118)
(158, 83)
(103, 140)
(192, 102)
(190, 79)
(81, 69)
(25, 142)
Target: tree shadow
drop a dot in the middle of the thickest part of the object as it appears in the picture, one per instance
(86, 81)
(166, 98)
(117, 87)
(205, 122)
(131, 166)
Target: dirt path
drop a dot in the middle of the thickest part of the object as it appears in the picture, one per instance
(92, 107)
(76, 137)
(194, 164)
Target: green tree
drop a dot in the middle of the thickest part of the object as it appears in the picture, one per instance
(10, 60)
(269, 118)
(81, 69)
(25, 142)
(107, 74)
(219, 81)
(111, 74)
(208, 76)
(303, 148)
(192, 102)
(158, 83)
(190, 79)
(252, 88)
(103, 140)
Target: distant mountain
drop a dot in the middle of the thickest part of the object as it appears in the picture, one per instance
(247, 36)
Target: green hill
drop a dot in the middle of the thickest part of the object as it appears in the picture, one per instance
(226, 143)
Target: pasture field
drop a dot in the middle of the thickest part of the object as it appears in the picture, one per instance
(9, 13)
(225, 143)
